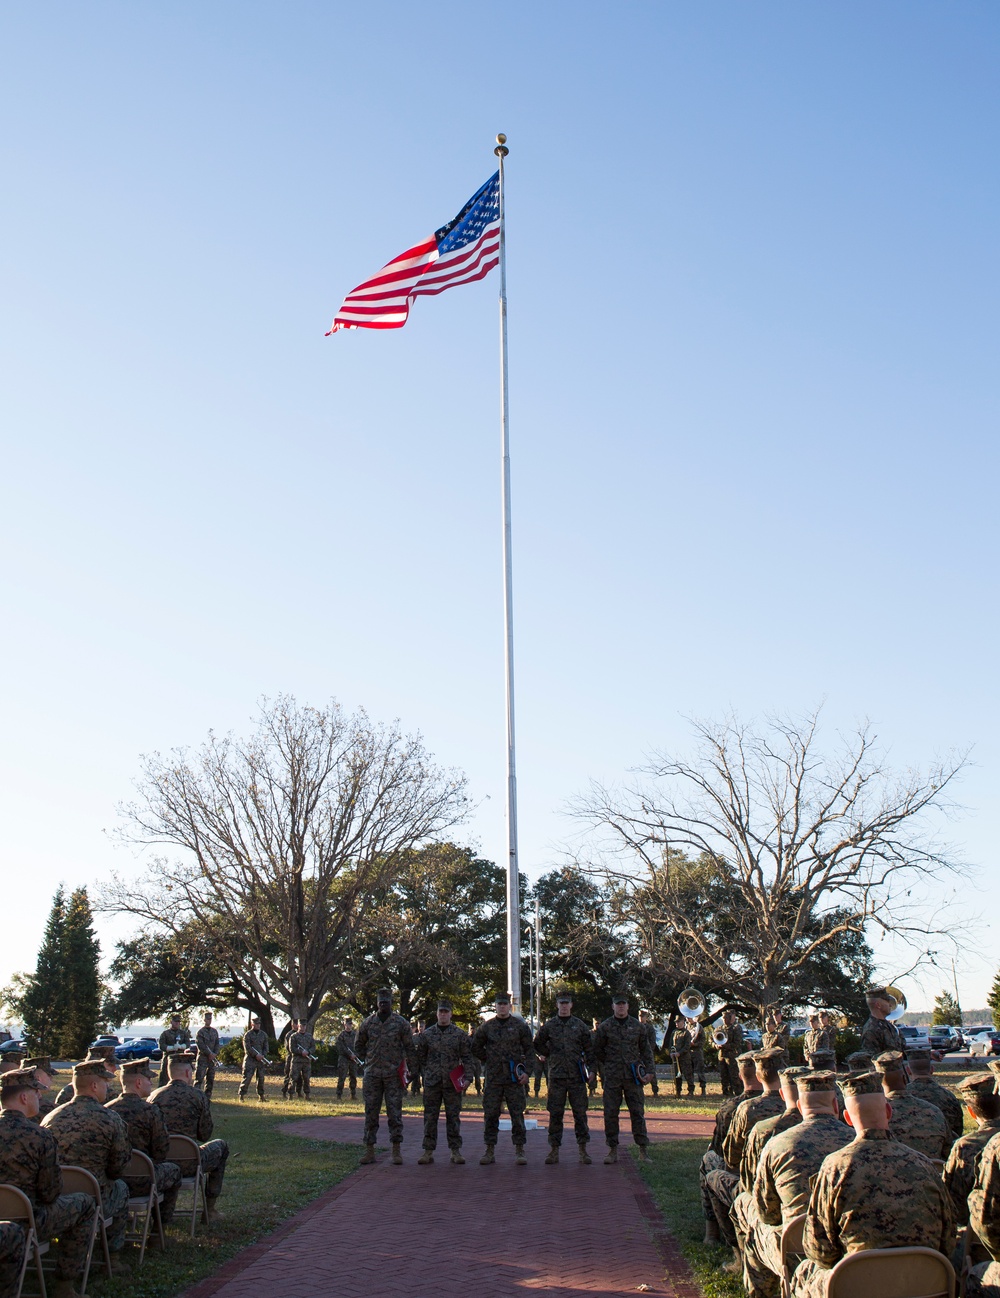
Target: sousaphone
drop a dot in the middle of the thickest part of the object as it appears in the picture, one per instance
(691, 1003)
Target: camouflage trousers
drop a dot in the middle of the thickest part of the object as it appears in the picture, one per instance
(347, 1069)
(984, 1281)
(729, 1071)
(761, 1258)
(252, 1068)
(213, 1158)
(723, 1186)
(617, 1092)
(682, 1067)
(71, 1218)
(710, 1162)
(559, 1093)
(810, 1280)
(698, 1066)
(168, 1183)
(435, 1095)
(12, 1241)
(300, 1075)
(116, 1207)
(495, 1095)
(376, 1089)
(205, 1074)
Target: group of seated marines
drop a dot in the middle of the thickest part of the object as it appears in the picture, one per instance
(85, 1128)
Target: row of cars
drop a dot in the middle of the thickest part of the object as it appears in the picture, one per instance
(981, 1040)
(129, 1048)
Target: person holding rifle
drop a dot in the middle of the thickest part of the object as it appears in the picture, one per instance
(301, 1044)
(568, 1045)
(255, 1044)
(347, 1060)
(385, 1042)
(207, 1042)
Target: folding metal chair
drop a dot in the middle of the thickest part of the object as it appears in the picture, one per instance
(77, 1180)
(143, 1209)
(892, 1273)
(182, 1149)
(791, 1250)
(16, 1206)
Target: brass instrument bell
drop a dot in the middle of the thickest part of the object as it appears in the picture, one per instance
(691, 1003)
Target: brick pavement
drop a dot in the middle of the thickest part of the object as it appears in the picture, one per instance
(448, 1232)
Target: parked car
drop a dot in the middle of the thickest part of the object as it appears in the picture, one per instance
(915, 1037)
(985, 1043)
(138, 1048)
(107, 1039)
(12, 1047)
(944, 1039)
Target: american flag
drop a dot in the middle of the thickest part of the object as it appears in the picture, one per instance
(464, 250)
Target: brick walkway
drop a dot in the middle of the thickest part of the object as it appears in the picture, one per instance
(451, 1232)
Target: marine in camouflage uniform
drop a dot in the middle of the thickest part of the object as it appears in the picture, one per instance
(620, 1047)
(645, 1018)
(384, 1042)
(813, 1037)
(347, 1059)
(92, 1137)
(99, 1054)
(878, 1034)
(568, 1045)
(915, 1122)
(187, 1112)
(959, 1174)
(729, 1072)
(503, 1043)
(441, 1049)
(680, 1057)
(172, 1038)
(12, 1242)
(924, 1087)
(775, 1035)
(255, 1048)
(29, 1160)
(12, 1061)
(207, 1042)
(301, 1045)
(696, 1031)
(984, 1214)
(712, 1160)
(781, 1184)
(539, 1072)
(873, 1193)
(147, 1133)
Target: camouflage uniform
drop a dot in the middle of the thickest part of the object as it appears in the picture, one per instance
(29, 1159)
(878, 1036)
(618, 1044)
(347, 1062)
(776, 1038)
(960, 1170)
(723, 1185)
(918, 1124)
(384, 1044)
(171, 1038)
(207, 1042)
(501, 1044)
(95, 1138)
(698, 1054)
(926, 1088)
(566, 1043)
(781, 1192)
(300, 1046)
(680, 1057)
(147, 1132)
(540, 1070)
(439, 1051)
(650, 1031)
(759, 1136)
(984, 1217)
(729, 1072)
(873, 1193)
(255, 1047)
(186, 1112)
(712, 1160)
(12, 1242)
(812, 1042)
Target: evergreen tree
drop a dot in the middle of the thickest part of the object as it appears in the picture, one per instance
(81, 977)
(41, 1000)
(946, 1011)
(993, 1000)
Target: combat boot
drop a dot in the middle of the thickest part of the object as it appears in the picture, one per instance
(488, 1156)
(703, 1088)
(711, 1232)
(397, 1154)
(690, 1089)
(644, 1154)
(677, 1087)
(584, 1156)
(553, 1154)
(369, 1155)
(214, 1214)
(426, 1157)
(519, 1157)
(612, 1155)
(456, 1156)
(735, 1267)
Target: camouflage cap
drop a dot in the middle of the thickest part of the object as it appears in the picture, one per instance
(994, 1066)
(92, 1068)
(563, 995)
(182, 1056)
(769, 1054)
(921, 1054)
(861, 1084)
(977, 1084)
(44, 1062)
(382, 995)
(445, 1005)
(859, 1062)
(619, 999)
(501, 998)
(746, 1057)
(889, 1061)
(794, 1071)
(821, 1059)
(881, 993)
(22, 1079)
(820, 1080)
(138, 1068)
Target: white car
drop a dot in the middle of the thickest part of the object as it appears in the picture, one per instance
(985, 1043)
(916, 1038)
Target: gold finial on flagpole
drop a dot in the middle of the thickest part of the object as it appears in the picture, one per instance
(501, 150)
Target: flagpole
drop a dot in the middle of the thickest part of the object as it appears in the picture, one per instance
(513, 878)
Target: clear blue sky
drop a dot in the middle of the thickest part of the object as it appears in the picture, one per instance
(753, 312)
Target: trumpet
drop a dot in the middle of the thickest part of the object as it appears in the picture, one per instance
(691, 1003)
(719, 1036)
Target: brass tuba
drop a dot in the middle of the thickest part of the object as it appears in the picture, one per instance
(899, 1009)
(691, 1003)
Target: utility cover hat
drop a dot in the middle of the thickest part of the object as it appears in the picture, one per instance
(889, 1061)
(445, 1005)
(861, 1084)
(138, 1068)
(620, 999)
(821, 1080)
(93, 1068)
(20, 1079)
(977, 1084)
(501, 998)
(564, 996)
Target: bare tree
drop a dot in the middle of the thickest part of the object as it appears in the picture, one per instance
(285, 837)
(818, 849)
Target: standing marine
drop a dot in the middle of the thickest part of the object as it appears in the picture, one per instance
(385, 1042)
(503, 1043)
(568, 1045)
(622, 1051)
